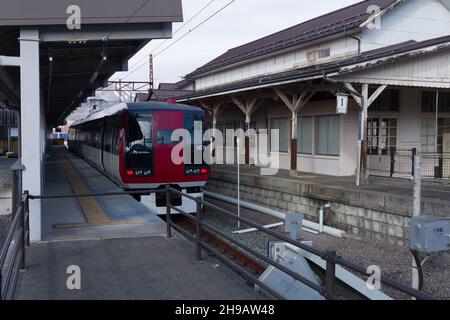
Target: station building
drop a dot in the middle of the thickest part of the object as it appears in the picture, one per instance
(390, 58)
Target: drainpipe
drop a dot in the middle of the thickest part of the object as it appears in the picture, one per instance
(361, 111)
(355, 38)
(321, 216)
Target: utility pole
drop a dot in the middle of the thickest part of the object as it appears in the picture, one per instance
(417, 209)
(150, 71)
(238, 183)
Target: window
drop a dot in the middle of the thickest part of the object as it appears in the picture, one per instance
(381, 135)
(283, 126)
(165, 137)
(139, 142)
(304, 130)
(318, 54)
(443, 128)
(328, 135)
(428, 135)
(429, 101)
(388, 101)
(108, 137)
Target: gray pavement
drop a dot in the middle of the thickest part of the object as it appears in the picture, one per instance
(132, 268)
(68, 211)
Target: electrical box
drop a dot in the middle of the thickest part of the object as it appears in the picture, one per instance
(430, 234)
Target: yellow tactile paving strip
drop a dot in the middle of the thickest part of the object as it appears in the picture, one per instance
(93, 212)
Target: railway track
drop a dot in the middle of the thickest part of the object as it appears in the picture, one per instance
(237, 255)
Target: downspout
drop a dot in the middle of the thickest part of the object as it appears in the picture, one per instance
(361, 110)
(355, 38)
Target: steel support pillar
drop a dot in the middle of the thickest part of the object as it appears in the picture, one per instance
(31, 125)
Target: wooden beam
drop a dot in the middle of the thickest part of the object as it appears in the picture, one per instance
(350, 87)
(285, 99)
(376, 94)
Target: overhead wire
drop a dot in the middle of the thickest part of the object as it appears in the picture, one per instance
(182, 37)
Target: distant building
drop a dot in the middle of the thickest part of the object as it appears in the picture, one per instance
(166, 91)
(9, 132)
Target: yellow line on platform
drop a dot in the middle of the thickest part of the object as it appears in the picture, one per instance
(92, 211)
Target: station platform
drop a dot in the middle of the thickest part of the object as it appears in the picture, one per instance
(129, 268)
(93, 217)
(119, 245)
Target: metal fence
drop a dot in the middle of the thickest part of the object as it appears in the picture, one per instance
(327, 289)
(12, 257)
(397, 163)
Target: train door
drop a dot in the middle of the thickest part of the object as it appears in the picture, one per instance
(165, 123)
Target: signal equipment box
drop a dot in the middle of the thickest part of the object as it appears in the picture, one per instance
(430, 234)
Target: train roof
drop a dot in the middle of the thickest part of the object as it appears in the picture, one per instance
(153, 105)
(135, 106)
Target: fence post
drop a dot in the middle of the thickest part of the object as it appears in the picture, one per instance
(198, 223)
(26, 208)
(414, 153)
(24, 230)
(392, 161)
(168, 213)
(330, 275)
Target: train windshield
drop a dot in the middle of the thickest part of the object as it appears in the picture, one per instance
(139, 141)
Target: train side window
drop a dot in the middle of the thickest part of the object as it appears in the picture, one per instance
(115, 137)
(108, 138)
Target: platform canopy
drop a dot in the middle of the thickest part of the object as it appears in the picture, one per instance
(73, 63)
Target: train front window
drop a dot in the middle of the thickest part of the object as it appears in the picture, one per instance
(139, 142)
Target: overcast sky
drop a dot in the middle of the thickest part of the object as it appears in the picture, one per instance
(241, 22)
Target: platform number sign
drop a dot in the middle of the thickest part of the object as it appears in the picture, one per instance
(342, 103)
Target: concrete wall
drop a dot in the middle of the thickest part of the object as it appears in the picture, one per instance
(358, 212)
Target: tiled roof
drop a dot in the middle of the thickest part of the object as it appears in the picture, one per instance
(160, 95)
(344, 19)
(180, 85)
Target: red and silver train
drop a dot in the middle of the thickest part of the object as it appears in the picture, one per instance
(131, 144)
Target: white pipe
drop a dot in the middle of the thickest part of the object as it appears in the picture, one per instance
(321, 216)
(308, 224)
(238, 182)
(269, 226)
(321, 220)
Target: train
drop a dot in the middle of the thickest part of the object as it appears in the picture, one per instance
(130, 143)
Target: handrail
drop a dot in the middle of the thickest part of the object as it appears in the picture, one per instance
(331, 258)
(14, 249)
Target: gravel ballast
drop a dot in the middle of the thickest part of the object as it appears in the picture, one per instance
(393, 260)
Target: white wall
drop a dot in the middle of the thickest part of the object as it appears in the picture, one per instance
(342, 47)
(413, 20)
(343, 165)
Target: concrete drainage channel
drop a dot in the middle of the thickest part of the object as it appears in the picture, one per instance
(308, 225)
